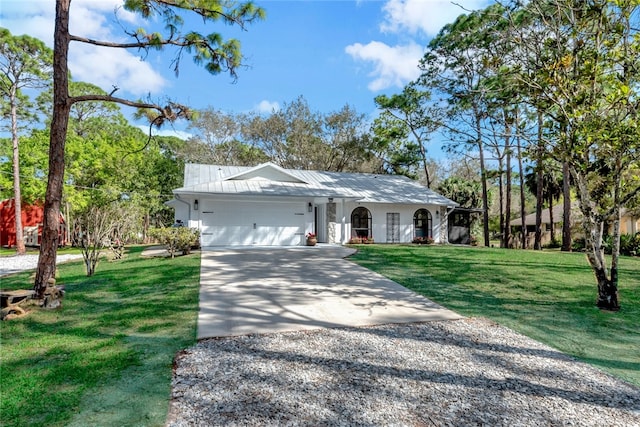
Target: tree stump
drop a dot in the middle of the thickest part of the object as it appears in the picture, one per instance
(52, 295)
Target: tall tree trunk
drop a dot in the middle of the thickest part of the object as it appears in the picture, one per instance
(67, 220)
(552, 220)
(593, 227)
(537, 245)
(145, 228)
(423, 153)
(483, 178)
(523, 211)
(61, 108)
(17, 195)
(608, 290)
(566, 212)
(507, 211)
(501, 199)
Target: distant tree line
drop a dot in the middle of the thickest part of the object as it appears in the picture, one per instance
(552, 85)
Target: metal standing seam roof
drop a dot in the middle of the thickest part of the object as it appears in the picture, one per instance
(373, 188)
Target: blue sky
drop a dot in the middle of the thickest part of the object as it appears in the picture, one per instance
(331, 52)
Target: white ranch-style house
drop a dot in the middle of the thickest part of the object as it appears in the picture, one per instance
(267, 205)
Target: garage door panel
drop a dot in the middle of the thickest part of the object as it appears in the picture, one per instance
(250, 223)
(279, 236)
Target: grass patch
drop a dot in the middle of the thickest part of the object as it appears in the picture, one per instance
(105, 358)
(35, 251)
(548, 296)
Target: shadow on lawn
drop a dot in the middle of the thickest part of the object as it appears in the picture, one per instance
(113, 342)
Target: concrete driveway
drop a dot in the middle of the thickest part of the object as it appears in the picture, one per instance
(265, 290)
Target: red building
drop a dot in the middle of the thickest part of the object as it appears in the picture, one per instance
(32, 219)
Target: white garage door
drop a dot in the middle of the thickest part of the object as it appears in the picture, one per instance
(251, 223)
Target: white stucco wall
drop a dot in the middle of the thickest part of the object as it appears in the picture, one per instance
(379, 220)
(335, 232)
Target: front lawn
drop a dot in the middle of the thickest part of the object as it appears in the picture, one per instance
(105, 358)
(35, 251)
(549, 296)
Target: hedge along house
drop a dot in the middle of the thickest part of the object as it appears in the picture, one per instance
(267, 205)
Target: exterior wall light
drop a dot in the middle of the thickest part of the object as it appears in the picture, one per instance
(195, 205)
(310, 207)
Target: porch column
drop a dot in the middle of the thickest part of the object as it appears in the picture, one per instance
(331, 222)
(444, 225)
(343, 228)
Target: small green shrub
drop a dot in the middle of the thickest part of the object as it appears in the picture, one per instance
(630, 244)
(176, 239)
(578, 244)
(553, 244)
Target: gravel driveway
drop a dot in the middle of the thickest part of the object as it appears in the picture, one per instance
(17, 263)
(463, 372)
(444, 373)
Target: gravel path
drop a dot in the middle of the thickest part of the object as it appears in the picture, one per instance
(445, 373)
(17, 263)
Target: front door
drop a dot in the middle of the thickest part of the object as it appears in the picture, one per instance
(393, 227)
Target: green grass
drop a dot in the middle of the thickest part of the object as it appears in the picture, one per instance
(36, 251)
(105, 358)
(549, 296)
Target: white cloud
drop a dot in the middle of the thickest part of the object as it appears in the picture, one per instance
(103, 67)
(267, 106)
(114, 67)
(35, 18)
(426, 16)
(415, 20)
(393, 66)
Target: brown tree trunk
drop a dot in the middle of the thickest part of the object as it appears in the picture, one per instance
(483, 178)
(566, 212)
(552, 220)
(501, 201)
(537, 245)
(523, 211)
(145, 228)
(594, 233)
(423, 153)
(61, 107)
(507, 211)
(17, 195)
(607, 290)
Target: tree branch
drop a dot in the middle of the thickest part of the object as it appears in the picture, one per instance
(138, 44)
(171, 111)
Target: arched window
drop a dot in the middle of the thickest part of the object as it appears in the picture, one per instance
(361, 222)
(423, 223)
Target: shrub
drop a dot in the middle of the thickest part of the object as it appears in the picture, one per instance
(360, 240)
(422, 240)
(578, 244)
(553, 244)
(176, 239)
(630, 244)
